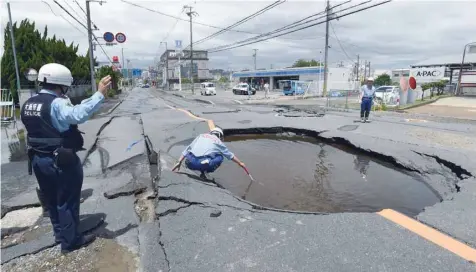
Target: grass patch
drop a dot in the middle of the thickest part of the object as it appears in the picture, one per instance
(420, 102)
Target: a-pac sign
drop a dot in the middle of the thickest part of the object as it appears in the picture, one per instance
(423, 75)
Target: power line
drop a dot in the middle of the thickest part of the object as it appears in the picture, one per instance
(340, 45)
(298, 29)
(303, 21)
(257, 13)
(72, 8)
(95, 26)
(56, 2)
(63, 17)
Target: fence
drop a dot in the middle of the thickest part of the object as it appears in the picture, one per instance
(7, 106)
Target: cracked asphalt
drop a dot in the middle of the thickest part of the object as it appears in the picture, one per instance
(163, 221)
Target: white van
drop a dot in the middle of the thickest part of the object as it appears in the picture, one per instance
(207, 88)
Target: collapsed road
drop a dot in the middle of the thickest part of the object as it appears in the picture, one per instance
(151, 219)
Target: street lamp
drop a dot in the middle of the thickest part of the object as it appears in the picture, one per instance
(461, 68)
(166, 66)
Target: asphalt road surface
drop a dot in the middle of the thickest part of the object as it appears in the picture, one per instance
(157, 220)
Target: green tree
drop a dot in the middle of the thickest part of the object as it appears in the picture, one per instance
(424, 87)
(383, 80)
(107, 70)
(33, 51)
(223, 79)
(306, 63)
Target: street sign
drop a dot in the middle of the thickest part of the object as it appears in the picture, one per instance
(412, 83)
(115, 59)
(110, 43)
(108, 37)
(178, 44)
(120, 37)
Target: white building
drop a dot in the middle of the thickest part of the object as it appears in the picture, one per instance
(338, 79)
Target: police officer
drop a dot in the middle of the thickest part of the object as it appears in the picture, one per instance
(53, 139)
(206, 152)
(367, 93)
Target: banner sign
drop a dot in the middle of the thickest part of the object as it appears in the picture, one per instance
(425, 75)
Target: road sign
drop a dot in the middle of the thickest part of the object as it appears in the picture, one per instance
(178, 44)
(412, 83)
(120, 37)
(108, 37)
(115, 59)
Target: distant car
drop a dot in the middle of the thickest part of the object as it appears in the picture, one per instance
(145, 86)
(207, 88)
(243, 88)
(388, 94)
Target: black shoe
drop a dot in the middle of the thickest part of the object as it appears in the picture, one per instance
(84, 241)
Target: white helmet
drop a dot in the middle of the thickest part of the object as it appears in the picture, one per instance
(54, 73)
(370, 79)
(217, 132)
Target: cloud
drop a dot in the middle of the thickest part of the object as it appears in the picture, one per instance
(393, 35)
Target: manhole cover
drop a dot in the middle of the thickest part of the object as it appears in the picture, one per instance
(302, 173)
(348, 127)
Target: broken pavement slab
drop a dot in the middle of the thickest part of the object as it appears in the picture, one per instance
(269, 241)
(47, 240)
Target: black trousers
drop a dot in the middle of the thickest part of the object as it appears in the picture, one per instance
(61, 189)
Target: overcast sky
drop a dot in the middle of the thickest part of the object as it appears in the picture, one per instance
(393, 35)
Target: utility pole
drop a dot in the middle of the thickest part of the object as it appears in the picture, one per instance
(365, 68)
(190, 14)
(166, 66)
(369, 69)
(358, 68)
(326, 52)
(91, 56)
(13, 47)
(254, 55)
(122, 49)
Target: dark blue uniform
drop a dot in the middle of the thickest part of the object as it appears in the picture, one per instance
(56, 166)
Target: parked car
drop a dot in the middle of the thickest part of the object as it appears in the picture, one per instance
(243, 88)
(207, 88)
(145, 86)
(388, 94)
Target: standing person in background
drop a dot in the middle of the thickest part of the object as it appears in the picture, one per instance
(53, 139)
(367, 93)
(266, 90)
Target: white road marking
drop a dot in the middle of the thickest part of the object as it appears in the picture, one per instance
(237, 101)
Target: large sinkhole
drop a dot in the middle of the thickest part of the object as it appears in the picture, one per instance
(303, 173)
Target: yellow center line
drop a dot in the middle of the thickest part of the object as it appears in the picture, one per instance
(211, 124)
(431, 234)
(464, 251)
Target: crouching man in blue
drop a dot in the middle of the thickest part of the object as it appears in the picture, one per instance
(367, 93)
(206, 152)
(53, 139)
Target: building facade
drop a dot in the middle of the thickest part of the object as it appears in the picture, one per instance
(172, 69)
(339, 79)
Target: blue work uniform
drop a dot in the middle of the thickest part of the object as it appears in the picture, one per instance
(51, 123)
(206, 153)
(367, 98)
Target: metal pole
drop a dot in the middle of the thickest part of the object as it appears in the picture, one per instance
(190, 14)
(123, 58)
(458, 91)
(254, 55)
(358, 68)
(13, 47)
(180, 73)
(326, 52)
(369, 69)
(91, 56)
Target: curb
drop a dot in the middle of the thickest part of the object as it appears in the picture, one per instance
(204, 101)
(421, 104)
(179, 95)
